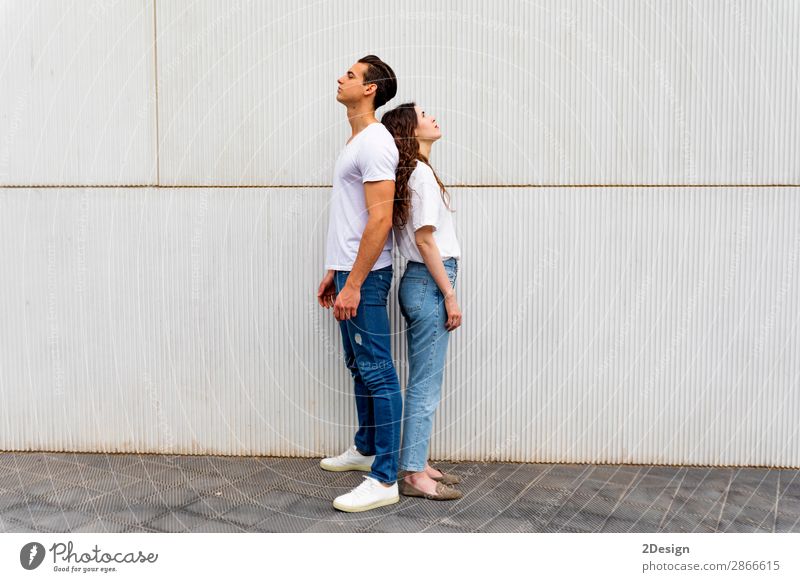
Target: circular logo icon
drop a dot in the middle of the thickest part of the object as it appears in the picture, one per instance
(31, 555)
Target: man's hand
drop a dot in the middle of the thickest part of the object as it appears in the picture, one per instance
(326, 294)
(347, 301)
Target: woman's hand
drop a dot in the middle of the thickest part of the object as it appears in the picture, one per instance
(453, 312)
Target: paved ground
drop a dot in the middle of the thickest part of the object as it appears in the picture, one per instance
(66, 492)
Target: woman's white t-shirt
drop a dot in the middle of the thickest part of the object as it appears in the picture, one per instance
(427, 209)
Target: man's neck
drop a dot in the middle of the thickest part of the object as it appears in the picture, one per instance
(360, 117)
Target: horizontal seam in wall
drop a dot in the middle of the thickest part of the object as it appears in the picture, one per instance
(165, 187)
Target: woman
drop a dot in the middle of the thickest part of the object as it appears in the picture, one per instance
(425, 235)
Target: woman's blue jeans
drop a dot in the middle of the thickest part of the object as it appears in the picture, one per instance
(422, 306)
(368, 355)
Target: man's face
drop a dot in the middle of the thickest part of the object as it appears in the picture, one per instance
(351, 85)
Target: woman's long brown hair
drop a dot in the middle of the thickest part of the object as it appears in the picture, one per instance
(401, 123)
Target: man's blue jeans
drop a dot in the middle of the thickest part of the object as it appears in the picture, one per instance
(422, 306)
(368, 355)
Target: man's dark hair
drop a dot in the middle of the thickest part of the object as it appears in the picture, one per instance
(382, 75)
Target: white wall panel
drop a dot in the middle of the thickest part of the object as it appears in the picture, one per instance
(77, 92)
(551, 92)
(638, 325)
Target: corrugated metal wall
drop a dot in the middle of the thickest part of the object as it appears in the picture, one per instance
(626, 183)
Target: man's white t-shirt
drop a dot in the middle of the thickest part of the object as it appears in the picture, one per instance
(427, 209)
(370, 156)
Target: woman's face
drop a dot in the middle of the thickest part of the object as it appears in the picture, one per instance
(427, 128)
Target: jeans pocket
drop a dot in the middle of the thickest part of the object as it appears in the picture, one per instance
(412, 294)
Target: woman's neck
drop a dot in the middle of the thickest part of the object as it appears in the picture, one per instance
(425, 148)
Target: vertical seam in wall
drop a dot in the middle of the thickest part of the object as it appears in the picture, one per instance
(155, 74)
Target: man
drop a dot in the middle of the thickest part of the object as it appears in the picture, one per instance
(359, 262)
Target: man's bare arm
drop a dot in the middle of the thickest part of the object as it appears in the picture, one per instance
(380, 201)
(379, 198)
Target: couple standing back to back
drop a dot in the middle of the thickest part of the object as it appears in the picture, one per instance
(383, 182)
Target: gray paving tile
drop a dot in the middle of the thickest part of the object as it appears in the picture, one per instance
(498, 487)
(233, 468)
(176, 522)
(569, 477)
(41, 464)
(643, 524)
(46, 516)
(15, 481)
(702, 503)
(442, 528)
(507, 524)
(682, 521)
(248, 514)
(13, 527)
(647, 496)
(698, 477)
(313, 507)
(46, 487)
(11, 499)
(206, 484)
(75, 497)
(276, 499)
(666, 471)
(474, 513)
(590, 511)
(335, 526)
(758, 517)
(283, 522)
(106, 461)
(213, 507)
(568, 522)
(658, 480)
(171, 476)
(139, 490)
(743, 526)
(140, 529)
(7, 460)
(214, 526)
(128, 491)
(137, 513)
(101, 525)
(476, 472)
(535, 515)
(63, 521)
(425, 509)
(105, 504)
(755, 477)
(787, 522)
(143, 466)
(399, 524)
(290, 466)
(581, 513)
(113, 482)
(618, 474)
(247, 489)
(173, 498)
(789, 481)
(311, 483)
(96, 478)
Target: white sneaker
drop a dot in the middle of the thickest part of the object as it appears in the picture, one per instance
(369, 495)
(350, 460)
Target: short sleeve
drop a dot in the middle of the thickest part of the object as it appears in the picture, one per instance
(425, 198)
(378, 158)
